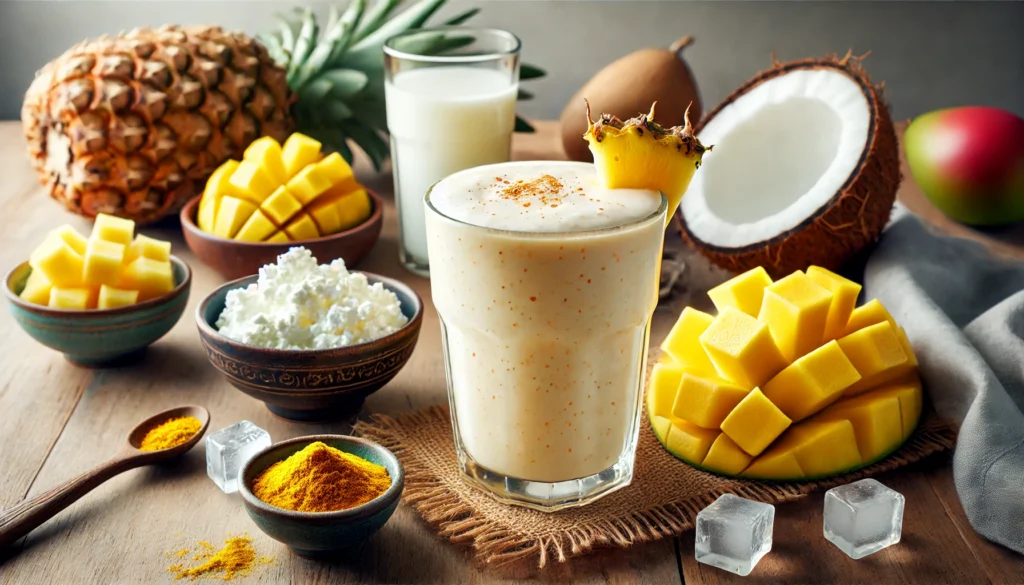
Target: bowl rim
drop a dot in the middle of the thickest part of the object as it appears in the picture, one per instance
(191, 209)
(127, 309)
(207, 330)
(359, 512)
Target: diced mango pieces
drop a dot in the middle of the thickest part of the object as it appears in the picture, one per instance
(278, 237)
(232, 216)
(266, 152)
(113, 229)
(281, 206)
(302, 228)
(743, 292)
(298, 152)
(877, 354)
(74, 299)
(726, 457)
(773, 464)
(326, 217)
(706, 401)
(909, 393)
(148, 247)
(354, 209)
(334, 169)
(812, 382)
(37, 290)
(661, 426)
(820, 448)
(690, 442)
(217, 186)
(683, 342)
(58, 262)
(111, 298)
(755, 423)
(876, 422)
(661, 390)
(795, 309)
(71, 237)
(256, 228)
(866, 315)
(103, 262)
(307, 185)
(844, 299)
(742, 348)
(252, 182)
(151, 278)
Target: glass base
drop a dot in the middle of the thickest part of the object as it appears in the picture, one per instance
(545, 496)
(417, 267)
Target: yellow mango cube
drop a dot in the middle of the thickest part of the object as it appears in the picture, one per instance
(844, 299)
(71, 237)
(58, 262)
(773, 464)
(113, 229)
(689, 442)
(662, 389)
(812, 382)
(73, 299)
(354, 209)
(326, 217)
(151, 278)
(795, 309)
(683, 342)
(232, 216)
(742, 348)
(111, 298)
(217, 186)
(660, 425)
(279, 237)
(281, 206)
(877, 354)
(909, 393)
(820, 448)
(252, 182)
(307, 185)
(726, 457)
(298, 152)
(876, 422)
(706, 401)
(866, 315)
(37, 290)
(256, 228)
(103, 262)
(266, 152)
(302, 228)
(334, 169)
(755, 423)
(148, 247)
(743, 292)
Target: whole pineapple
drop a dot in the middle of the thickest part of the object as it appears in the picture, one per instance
(134, 125)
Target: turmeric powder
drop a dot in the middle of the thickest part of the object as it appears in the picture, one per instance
(171, 433)
(320, 478)
(235, 559)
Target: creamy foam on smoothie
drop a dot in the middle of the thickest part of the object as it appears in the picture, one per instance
(546, 196)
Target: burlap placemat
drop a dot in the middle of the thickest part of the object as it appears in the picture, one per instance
(662, 501)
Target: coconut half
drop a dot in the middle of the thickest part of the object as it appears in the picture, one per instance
(805, 170)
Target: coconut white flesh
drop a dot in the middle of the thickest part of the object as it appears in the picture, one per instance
(781, 151)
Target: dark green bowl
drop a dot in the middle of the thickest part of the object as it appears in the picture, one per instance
(322, 534)
(95, 337)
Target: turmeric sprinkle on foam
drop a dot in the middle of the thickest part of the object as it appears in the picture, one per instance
(546, 188)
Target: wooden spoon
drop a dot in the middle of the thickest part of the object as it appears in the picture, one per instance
(28, 515)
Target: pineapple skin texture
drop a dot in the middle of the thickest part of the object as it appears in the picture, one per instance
(133, 125)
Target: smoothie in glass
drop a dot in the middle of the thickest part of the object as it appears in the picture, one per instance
(545, 283)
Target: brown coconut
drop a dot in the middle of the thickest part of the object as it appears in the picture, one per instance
(848, 222)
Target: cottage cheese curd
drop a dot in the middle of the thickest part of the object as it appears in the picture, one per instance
(299, 304)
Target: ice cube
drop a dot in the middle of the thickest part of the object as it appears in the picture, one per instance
(863, 517)
(229, 449)
(733, 533)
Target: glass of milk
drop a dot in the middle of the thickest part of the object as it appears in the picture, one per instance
(445, 113)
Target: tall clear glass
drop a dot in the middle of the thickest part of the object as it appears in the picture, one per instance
(545, 339)
(446, 112)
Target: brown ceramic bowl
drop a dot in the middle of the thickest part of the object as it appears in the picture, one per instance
(234, 259)
(310, 385)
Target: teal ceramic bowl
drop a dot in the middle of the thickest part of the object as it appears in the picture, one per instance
(99, 336)
(322, 534)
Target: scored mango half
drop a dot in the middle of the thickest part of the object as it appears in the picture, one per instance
(789, 381)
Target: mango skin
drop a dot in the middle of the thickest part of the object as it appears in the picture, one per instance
(970, 163)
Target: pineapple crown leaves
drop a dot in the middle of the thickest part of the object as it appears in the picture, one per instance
(338, 70)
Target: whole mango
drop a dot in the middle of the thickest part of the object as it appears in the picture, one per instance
(970, 163)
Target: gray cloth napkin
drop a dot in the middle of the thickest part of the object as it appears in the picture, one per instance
(964, 313)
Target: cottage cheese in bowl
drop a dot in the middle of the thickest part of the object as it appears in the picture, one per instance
(298, 304)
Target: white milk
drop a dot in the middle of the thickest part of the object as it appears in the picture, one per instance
(443, 120)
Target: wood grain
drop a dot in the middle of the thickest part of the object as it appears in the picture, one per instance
(60, 420)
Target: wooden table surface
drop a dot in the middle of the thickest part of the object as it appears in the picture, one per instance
(57, 420)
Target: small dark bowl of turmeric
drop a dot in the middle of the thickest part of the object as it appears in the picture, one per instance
(322, 494)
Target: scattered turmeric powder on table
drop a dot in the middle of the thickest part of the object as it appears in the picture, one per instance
(236, 559)
(171, 433)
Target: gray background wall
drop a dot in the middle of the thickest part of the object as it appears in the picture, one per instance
(930, 54)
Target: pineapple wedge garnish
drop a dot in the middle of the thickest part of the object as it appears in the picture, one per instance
(641, 154)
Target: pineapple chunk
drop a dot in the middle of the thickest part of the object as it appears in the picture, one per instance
(252, 181)
(58, 262)
(307, 185)
(279, 238)
(232, 215)
(256, 228)
(147, 247)
(299, 152)
(281, 206)
(113, 229)
(111, 297)
(302, 228)
(37, 289)
(218, 185)
(354, 209)
(71, 237)
(151, 278)
(75, 299)
(103, 262)
(266, 152)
